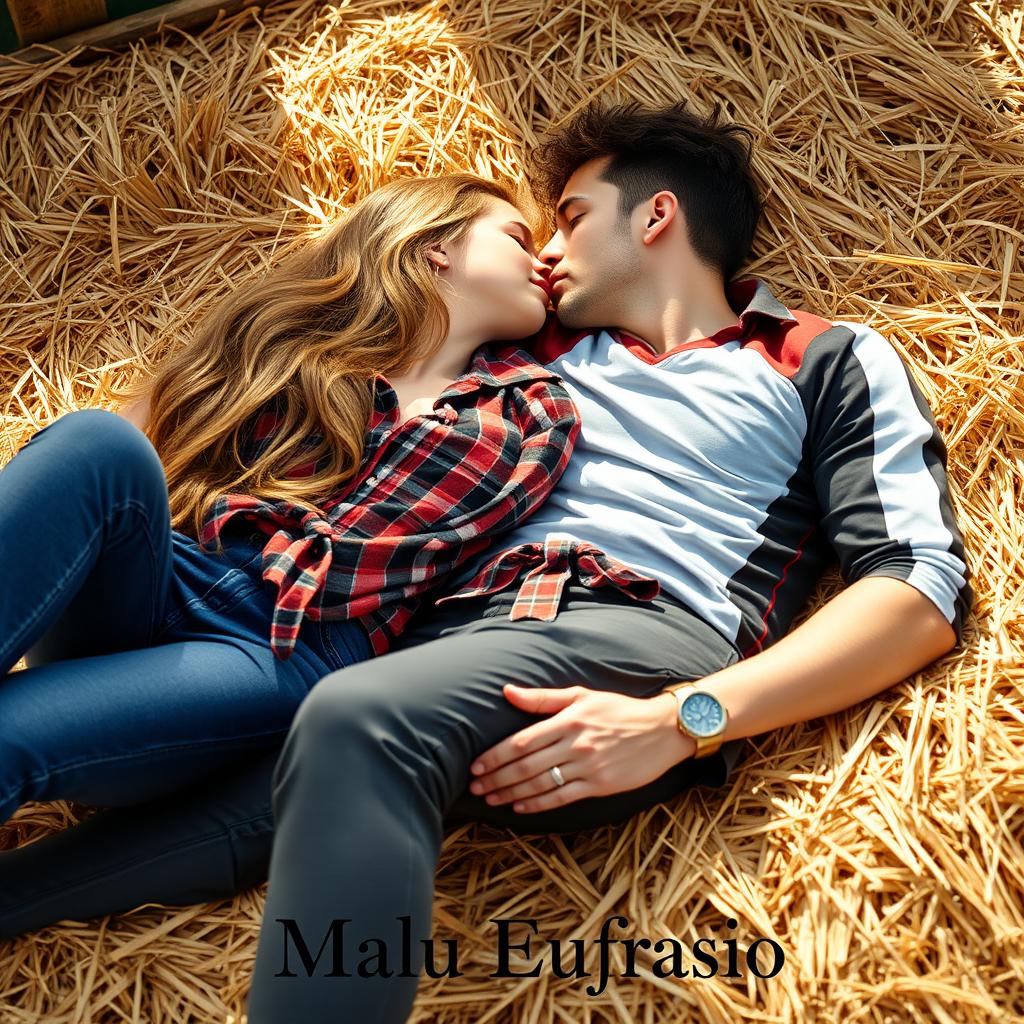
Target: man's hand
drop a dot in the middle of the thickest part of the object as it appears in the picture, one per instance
(872, 634)
(603, 743)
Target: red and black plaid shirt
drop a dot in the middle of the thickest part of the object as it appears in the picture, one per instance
(431, 493)
(539, 572)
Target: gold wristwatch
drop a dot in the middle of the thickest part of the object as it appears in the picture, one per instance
(699, 715)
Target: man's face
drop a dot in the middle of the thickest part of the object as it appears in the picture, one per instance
(592, 258)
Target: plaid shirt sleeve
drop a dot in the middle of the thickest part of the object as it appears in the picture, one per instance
(419, 507)
(548, 424)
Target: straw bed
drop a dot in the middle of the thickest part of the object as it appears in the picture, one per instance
(882, 847)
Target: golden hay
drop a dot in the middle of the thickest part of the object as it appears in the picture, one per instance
(881, 847)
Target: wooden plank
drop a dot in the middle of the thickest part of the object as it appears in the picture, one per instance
(35, 21)
(182, 13)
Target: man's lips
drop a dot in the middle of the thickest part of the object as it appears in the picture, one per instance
(542, 284)
(547, 284)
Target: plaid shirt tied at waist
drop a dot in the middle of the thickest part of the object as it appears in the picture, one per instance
(547, 568)
(433, 491)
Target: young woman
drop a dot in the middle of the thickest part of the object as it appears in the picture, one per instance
(343, 438)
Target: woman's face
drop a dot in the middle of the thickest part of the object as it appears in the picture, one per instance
(498, 287)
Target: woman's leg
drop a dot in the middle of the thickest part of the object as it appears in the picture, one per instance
(136, 724)
(205, 842)
(85, 541)
(121, 728)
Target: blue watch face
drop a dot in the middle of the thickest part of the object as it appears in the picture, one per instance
(702, 714)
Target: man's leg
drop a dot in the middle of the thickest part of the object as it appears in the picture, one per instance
(379, 753)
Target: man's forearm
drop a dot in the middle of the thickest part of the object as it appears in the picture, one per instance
(872, 634)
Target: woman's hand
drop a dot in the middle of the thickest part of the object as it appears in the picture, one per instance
(603, 743)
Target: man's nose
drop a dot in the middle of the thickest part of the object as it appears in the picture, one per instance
(553, 251)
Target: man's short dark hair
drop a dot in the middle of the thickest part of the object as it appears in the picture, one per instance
(704, 161)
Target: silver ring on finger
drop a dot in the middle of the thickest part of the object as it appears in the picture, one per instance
(556, 774)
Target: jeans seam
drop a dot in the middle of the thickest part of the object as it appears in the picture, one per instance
(233, 600)
(165, 748)
(62, 888)
(340, 662)
(325, 637)
(13, 641)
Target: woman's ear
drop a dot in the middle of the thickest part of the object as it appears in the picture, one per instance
(438, 257)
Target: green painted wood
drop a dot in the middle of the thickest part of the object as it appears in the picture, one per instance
(8, 36)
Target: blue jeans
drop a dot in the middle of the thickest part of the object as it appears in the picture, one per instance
(149, 660)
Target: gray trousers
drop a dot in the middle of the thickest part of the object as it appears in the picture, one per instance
(377, 759)
(350, 811)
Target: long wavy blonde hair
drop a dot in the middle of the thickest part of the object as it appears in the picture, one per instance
(342, 305)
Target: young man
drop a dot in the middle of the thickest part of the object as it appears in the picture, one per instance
(730, 446)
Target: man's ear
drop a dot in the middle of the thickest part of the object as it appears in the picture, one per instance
(660, 210)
